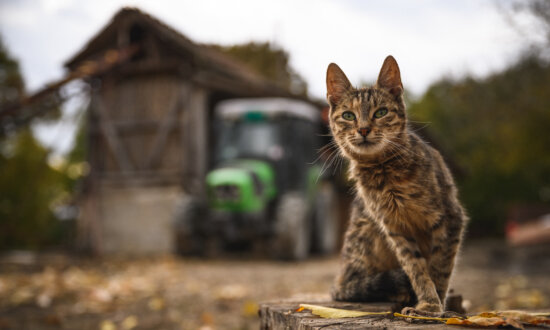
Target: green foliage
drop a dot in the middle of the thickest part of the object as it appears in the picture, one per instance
(496, 129)
(268, 61)
(11, 82)
(28, 188)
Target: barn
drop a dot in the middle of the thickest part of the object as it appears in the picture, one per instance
(148, 128)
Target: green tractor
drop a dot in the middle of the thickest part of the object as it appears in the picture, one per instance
(263, 188)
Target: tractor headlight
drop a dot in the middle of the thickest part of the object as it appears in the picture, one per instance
(227, 193)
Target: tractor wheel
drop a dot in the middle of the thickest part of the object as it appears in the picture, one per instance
(326, 229)
(292, 228)
(187, 212)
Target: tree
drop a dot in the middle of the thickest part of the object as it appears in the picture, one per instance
(496, 129)
(29, 187)
(269, 61)
(12, 86)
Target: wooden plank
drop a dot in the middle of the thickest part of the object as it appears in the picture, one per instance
(110, 134)
(136, 125)
(166, 127)
(197, 136)
(282, 315)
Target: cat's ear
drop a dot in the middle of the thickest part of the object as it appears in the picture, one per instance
(389, 77)
(337, 84)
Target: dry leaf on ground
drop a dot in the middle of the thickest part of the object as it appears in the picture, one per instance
(515, 319)
(336, 313)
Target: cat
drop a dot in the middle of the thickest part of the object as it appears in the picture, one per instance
(406, 222)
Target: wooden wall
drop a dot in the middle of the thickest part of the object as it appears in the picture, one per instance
(147, 142)
(149, 126)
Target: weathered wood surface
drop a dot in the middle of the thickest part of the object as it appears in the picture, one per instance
(282, 315)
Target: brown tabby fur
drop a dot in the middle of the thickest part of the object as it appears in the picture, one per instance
(407, 223)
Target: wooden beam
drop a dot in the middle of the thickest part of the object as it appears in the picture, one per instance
(111, 136)
(166, 127)
(136, 125)
(108, 61)
(141, 178)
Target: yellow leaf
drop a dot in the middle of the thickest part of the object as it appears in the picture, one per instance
(250, 308)
(156, 304)
(531, 318)
(335, 313)
(483, 321)
(107, 325)
(130, 322)
(426, 318)
(457, 321)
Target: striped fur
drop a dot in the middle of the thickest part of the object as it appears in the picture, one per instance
(407, 223)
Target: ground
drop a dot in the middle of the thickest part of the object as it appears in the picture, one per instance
(62, 292)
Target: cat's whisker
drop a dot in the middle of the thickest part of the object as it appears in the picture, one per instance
(419, 128)
(419, 122)
(339, 160)
(327, 148)
(401, 147)
(324, 167)
(332, 160)
(393, 148)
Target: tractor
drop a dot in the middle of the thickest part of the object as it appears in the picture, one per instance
(264, 187)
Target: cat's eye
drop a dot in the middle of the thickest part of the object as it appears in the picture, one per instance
(380, 113)
(348, 115)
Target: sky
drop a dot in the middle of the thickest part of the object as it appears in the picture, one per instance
(430, 39)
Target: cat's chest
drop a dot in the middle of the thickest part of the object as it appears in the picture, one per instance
(398, 199)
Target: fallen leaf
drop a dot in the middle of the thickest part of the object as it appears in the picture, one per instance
(482, 321)
(107, 325)
(44, 300)
(21, 296)
(52, 319)
(530, 318)
(130, 322)
(207, 318)
(335, 313)
(425, 318)
(156, 304)
(101, 295)
(250, 308)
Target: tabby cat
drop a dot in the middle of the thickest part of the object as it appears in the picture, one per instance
(406, 223)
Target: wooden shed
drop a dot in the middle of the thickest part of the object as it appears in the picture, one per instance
(148, 129)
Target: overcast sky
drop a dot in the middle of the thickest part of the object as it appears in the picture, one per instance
(429, 38)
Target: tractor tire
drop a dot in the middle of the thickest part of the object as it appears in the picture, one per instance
(292, 228)
(188, 210)
(326, 229)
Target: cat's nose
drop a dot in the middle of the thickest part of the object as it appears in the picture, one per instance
(364, 131)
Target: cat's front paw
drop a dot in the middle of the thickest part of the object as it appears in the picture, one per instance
(411, 311)
(414, 311)
(429, 307)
